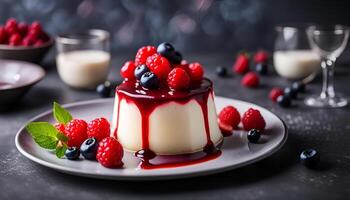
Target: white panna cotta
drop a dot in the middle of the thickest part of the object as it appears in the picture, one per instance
(164, 121)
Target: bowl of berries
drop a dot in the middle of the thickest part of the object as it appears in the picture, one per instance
(22, 41)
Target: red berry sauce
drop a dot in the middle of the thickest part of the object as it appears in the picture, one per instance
(147, 101)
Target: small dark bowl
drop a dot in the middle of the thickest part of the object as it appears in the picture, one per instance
(16, 78)
(29, 54)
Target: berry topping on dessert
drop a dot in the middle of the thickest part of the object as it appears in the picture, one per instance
(251, 79)
(98, 128)
(89, 148)
(275, 93)
(241, 65)
(140, 70)
(196, 72)
(143, 53)
(127, 71)
(149, 80)
(110, 153)
(178, 79)
(159, 65)
(76, 132)
(252, 119)
(229, 116)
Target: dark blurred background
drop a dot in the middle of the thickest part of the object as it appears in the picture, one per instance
(191, 25)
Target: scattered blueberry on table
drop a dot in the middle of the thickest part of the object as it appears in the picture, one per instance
(104, 89)
(261, 68)
(284, 101)
(221, 71)
(310, 157)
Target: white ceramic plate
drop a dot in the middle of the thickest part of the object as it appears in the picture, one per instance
(236, 151)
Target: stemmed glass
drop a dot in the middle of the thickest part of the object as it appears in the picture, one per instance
(329, 43)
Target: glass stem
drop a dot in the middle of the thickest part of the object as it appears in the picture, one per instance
(328, 71)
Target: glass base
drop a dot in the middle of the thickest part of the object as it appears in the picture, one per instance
(334, 102)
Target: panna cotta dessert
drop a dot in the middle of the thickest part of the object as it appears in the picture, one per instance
(164, 106)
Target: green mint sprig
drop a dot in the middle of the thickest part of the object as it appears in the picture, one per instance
(47, 136)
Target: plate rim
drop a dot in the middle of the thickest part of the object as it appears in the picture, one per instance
(144, 177)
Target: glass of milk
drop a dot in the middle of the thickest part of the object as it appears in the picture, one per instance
(83, 59)
(293, 58)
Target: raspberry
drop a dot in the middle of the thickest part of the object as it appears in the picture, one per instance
(27, 41)
(15, 39)
(76, 132)
(183, 66)
(98, 128)
(36, 26)
(178, 79)
(230, 116)
(241, 65)
(196, 72)
(251, 79)
(11, 26)
(127, 71)
(3, 35)
(143, 53)
(23, 28)
(60, 127)
(39, 43)
(159, 65)
(275, 93)
(225, 129)
(261, 57)
(110, 153)
(252, 119)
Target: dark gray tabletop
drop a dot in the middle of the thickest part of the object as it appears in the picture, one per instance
(280, 176)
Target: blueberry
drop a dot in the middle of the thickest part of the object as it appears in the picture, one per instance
(221, 71)
(284, 101)
(298, 86)
(104, 89)
(261, 68)
(289, 91)
(149, 80)
(310, 157)
(253, 135)
(175, 57)
(89, 148)
(72, 153)
(140, 70)
(165, 49)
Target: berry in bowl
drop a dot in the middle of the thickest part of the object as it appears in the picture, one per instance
(22, 41)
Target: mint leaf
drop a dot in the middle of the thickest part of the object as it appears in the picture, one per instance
(62, 137)
(61, 115)
(61, 149)
(38, 129)
(43, 133)
(46, 142)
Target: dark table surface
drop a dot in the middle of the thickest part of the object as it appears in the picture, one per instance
(280, 176)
